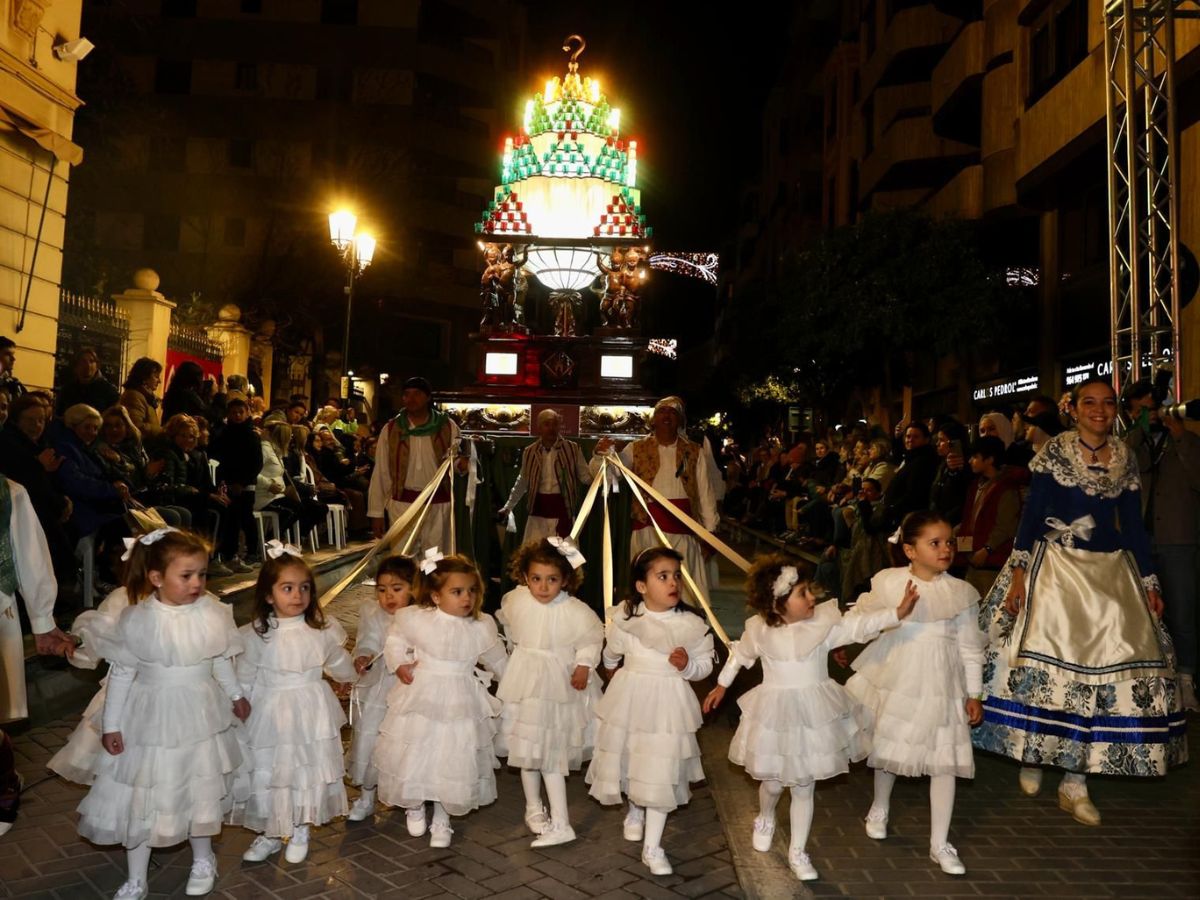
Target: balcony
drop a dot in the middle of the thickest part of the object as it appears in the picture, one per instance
(961, 196)
(957, 85)
(909, 155)
(909, 48)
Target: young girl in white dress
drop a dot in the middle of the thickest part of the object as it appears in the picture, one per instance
(920, 685)
(799, 726)
(550, 688)
(393, 591)
(171, 753)
(436, 743)
(292, 772)
(646, 746)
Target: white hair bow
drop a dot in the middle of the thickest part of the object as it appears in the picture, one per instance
(429, 562)
(152, 537)
(895, 536)
(785, 581)
(276, 548)
(567, 548)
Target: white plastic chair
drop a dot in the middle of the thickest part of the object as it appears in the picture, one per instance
(266, 519)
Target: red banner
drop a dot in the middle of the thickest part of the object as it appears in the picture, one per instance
(211, 367)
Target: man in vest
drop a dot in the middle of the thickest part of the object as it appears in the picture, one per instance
(675, 467)
(410, 449)
(553, 472)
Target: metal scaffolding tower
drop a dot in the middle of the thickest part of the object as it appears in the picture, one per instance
(1143, 180)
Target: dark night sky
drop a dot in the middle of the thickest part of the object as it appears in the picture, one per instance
(691, 88)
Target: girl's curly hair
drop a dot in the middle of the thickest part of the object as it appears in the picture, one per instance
(760, 585)
(546, 554)
(428, 585)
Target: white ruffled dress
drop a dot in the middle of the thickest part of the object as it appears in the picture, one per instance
(436, 742)
(368, 702)
(646, 745)
(292, 772)
(546, 724)
(799, 725)
(76, 760)
(169, 694)
(914, 680)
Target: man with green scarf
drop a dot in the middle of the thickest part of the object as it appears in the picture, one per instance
(410, 449)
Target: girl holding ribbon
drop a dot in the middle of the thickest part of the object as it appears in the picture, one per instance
(550, 688)
(292, 770)
(1080, 672)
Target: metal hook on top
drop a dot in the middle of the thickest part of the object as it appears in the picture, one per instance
(573, 63)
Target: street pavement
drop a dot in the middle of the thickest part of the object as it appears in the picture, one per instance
(1013, 846)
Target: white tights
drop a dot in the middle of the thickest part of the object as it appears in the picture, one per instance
(769, 793)
(656, 821)
(138, 858)
(556, 793)
(941, 802)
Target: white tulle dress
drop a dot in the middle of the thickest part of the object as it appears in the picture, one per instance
(292, 772)
(436, 742)
(646, 744)
(76, 760)
(913, 680)
(799, 725)
(546, 724)
(169, 694)
(368, 703)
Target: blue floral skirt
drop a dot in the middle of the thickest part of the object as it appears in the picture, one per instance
(1053, 713)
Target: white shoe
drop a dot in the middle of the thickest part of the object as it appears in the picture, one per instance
(1187, 693)
(5, 827)
(202, 878)
(764, 832)
(947, 857)
(635, 823)
(363, 807)
(536, 819)
(1073, 798)
(439, 834)
(655, 859)
(1030, 780)
(554, 835)
(415, 820)
(297, 848)
(877, 820)
(134, 889)
(262, 847)
(801, 865)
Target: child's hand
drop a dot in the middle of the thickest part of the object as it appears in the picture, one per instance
(241, 708)
(113, 743)
(361, 663)
(714, 698)
(974, 710)
(911, 595)
(405, 672)
(579, 678)
(678, 658)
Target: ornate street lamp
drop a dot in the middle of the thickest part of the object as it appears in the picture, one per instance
(357, 251)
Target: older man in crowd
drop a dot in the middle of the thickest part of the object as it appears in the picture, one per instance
(553, 473)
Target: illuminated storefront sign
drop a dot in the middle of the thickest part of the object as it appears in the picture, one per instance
(1005, 387)
(1077, 373)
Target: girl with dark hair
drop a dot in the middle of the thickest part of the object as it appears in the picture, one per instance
(646, 748)
(920, 685)
(291, 773)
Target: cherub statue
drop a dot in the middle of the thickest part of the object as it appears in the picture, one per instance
(499, 284)
(610, 300)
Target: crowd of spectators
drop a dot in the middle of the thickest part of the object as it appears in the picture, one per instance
(101, 461)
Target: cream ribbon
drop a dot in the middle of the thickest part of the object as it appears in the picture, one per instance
(568, 548)
(414, 511)
(1065, 534)
(145, 540)
(429, 562)
(275, 548)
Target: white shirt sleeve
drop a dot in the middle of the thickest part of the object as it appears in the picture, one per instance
(971, 644)
(587, 651)
(224, 674)
(35, 573)
(743, 654)
(859, 627)
(380, 490)
(700, 659)
(705, 493)
(397, 651)
(518, 489)
(120, 677)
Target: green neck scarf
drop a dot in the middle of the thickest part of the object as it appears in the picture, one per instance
(437, 419)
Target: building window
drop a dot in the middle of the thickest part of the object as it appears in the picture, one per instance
(179, 9)
(241, 153)
(1058, 42)
(168, 154)
(235, 232)
(173, 76)
(339, 12)
(251, 7)
(245, 77)
(161, 233)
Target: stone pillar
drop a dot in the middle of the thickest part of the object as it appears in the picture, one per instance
(234, 339)
(149, 316)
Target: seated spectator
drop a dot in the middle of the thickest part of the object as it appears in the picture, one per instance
(297, 413)
(826, 464)
(879, 463)
(86, 384)
(140, 399)
(274, 490)
(98, 501)
(120, 452)
(4, 401)
(238, 449)
(951, 477)
(869, 551)
(991, 512)
(908, 490)
(352, 481)
(186, 480)
(184, 393)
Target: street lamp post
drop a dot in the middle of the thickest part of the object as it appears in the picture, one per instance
(357, 249)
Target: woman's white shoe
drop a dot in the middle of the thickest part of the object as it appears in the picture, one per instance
(947, 857)
(414, 820)
(655, 859)
(262, 847)
(802, 866)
